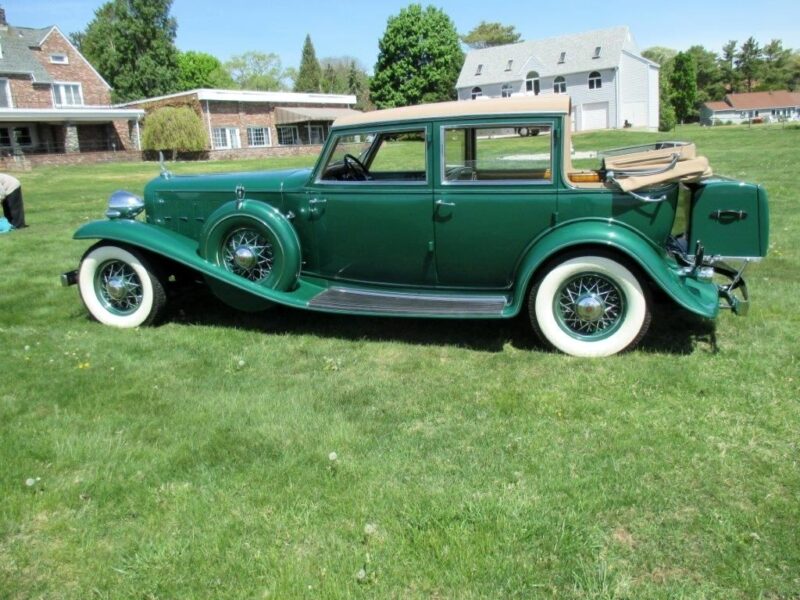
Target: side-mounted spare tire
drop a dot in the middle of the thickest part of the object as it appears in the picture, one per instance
(252, 240)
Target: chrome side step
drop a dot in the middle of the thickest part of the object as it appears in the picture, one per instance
(364, 301)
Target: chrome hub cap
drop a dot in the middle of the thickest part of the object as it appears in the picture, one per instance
(247, 253)
(589, 305)
(118, 287)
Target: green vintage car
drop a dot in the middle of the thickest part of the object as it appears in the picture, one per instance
(443, 210)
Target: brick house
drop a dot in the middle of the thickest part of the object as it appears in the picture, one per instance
(241, 123)
(53, 102)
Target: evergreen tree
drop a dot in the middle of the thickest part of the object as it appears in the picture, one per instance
(131, 43)
(309, 77)
(749, 62)
(419, 58)
(684, 86)
(666, 112)
(730, 76)
(486, 34)
(709, 75)
(776, 67)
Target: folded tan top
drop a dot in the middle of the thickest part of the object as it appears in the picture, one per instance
(689, 167)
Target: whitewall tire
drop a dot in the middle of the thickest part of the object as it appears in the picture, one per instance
(119, 287)
(592, 305)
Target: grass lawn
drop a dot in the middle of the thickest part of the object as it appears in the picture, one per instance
(193, 460)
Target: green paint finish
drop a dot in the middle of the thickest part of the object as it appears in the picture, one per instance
(484, 212)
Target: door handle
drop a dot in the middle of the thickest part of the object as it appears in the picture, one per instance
(441, 202)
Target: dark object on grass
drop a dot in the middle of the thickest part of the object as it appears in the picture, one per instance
(11, 195)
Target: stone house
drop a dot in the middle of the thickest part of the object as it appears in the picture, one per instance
(242, 123)
(610, 83)
(53, 102)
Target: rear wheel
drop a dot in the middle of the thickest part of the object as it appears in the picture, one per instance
(590, 305)
(120, 287)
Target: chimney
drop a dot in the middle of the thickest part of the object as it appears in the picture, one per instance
(3, 23)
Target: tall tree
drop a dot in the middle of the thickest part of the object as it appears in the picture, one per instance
(776, 67)
(749, 62)
(202, 70)
(684, 86)
(257, 71)
(486, 34)
(794, 72)
(709, 75)
(419, 58)
(309, 77)
(132, 45)
(727, 65)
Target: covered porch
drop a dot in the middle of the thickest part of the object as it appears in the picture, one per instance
(299, 125)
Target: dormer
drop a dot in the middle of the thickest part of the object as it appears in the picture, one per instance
(562, 58)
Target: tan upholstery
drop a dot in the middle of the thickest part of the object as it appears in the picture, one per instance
(693, 169)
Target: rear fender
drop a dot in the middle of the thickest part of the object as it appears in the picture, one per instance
(697, 297)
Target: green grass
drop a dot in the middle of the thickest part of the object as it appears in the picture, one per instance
(191, 460)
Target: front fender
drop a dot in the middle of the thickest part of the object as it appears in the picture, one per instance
(695, 296)
(183, 250)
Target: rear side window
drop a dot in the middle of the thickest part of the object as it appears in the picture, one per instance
(519, 153)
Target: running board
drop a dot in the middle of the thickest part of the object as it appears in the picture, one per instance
(387, 303)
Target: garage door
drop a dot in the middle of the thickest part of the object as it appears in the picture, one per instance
(594, 116)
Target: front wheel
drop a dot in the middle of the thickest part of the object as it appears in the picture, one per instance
(119, 287)
(590, 306)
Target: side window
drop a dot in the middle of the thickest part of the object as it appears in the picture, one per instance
(520, 152)
(378, 157)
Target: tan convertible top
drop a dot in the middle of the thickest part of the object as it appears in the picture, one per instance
(637, 170)
(554, 103)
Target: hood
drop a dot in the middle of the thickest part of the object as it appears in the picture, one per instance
(286, 180)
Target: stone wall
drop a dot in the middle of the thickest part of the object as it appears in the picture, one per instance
(313, 149)
(28, 161)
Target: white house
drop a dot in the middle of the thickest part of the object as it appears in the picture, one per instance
(611, 84)
(741, 108)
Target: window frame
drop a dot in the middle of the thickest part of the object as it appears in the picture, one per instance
(595, 80)
(321, 129)
(228, 138)
(11, 129)
(475, 95)
(505, 123)
(506, 90)
(333, 137)
(534, 81)
(560, 85)
(479, 70)
(267, 136)
(55, 55)
(296, 141)
(60, 85)
(6, 83)
(509, 64)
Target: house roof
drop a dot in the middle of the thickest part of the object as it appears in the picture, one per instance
(543, 56)
(519, 105)
(756, 101)
(255, 96)
(17, 58)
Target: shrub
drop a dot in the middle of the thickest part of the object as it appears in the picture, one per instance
(666, 116)
(174, 129)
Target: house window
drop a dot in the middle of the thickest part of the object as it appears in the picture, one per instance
(59, 59)
(508, 65)
(596, 52)
(595, 81)
(225, 138)
(478, 70)
(258, 137)
(21, 135)
(562, 58)
(559, 85)
(476, 93)
(288, 135)
(532, 82)
(316, 134)
(5, 94)
(505, 91)
(67, 94)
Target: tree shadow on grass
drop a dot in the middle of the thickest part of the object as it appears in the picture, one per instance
(672, 331)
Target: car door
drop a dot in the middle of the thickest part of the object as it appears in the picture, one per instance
(370, 205)
(495, 193)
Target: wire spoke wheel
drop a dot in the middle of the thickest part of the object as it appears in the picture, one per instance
(590, 305)
(248, 254)
(118, 287)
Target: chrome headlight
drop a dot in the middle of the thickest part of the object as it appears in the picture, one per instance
(124, 205)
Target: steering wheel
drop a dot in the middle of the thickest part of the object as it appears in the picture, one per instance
(356, 167)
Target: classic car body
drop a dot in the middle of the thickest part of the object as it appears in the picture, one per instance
(444, 210)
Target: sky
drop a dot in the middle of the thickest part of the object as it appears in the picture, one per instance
(353, 27)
